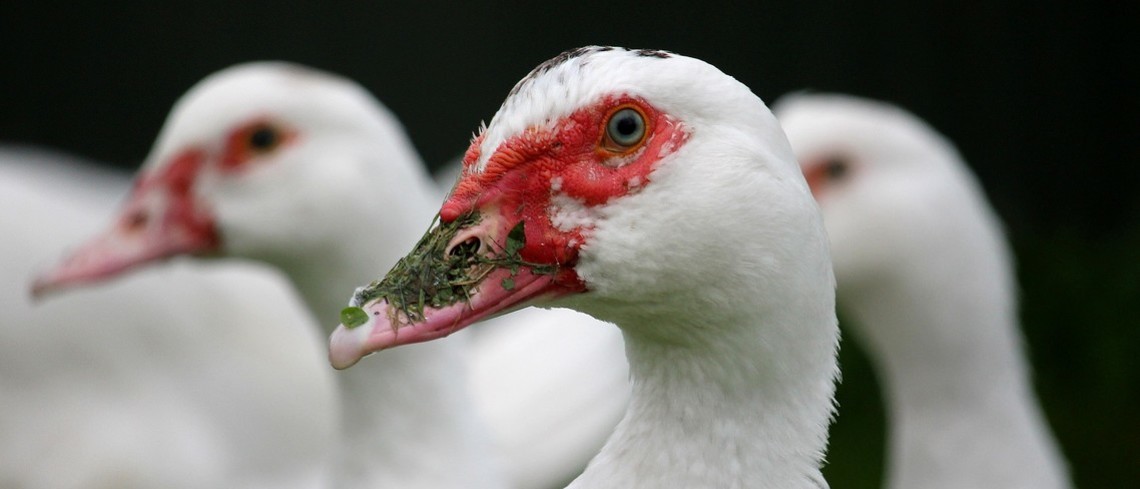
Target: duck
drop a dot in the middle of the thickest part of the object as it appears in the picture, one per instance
(926, 277)
(279, 152)
(93, 395)
(653, 191)
(304, 171)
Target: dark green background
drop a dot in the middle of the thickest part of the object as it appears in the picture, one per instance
(1041, 98)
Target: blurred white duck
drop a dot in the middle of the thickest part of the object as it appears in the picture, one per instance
(170, 379)
(651, 190)
(925, 273)
(307, 172)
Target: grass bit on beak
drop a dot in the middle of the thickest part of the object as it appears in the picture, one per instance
(462, 271)
(439, 272)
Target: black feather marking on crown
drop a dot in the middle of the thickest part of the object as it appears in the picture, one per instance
(653, 53)
(549, 64)
(570, 54)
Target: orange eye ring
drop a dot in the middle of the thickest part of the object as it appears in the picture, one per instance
(624, 129)
(253, 140)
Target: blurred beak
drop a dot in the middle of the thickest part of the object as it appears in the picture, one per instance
(161, 219)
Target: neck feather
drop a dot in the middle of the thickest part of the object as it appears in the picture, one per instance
(730, 327)
(736, 411)
(956, 380)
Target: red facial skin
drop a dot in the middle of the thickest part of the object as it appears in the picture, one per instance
(518, 179)
(516, 185)
(162, 217)
(821, 173)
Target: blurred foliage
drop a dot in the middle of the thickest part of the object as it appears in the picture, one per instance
(1081, 316)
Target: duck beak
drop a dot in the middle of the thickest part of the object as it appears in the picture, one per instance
(461, 272)
(160, 219)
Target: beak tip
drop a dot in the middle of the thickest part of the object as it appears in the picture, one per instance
(42, 286)
(345, 348)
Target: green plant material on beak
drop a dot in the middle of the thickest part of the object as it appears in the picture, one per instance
(516, 239)
(428, 277)
(352, 317)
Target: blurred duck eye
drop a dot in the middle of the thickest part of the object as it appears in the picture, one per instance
(625, 129)
(264, 138)
(253, 140)
(836, 168)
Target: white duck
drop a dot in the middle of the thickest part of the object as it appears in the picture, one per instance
(652, 190)
(925, 273)
(279, 163)
(93, 395)
(307, 172)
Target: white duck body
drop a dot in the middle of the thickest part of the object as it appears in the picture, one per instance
(162, 380)
(361, 206)
(551, 385)
(715, 267)
(330, 202)
(927, 277)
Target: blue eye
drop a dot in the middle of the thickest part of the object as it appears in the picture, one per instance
(626, 128)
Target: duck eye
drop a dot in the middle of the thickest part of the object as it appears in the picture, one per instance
(264, 138)
(836, 169)
(253, 141)
(625, 129)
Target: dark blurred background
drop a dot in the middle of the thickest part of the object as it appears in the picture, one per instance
(1041, 98)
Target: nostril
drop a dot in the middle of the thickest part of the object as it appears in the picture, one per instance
(136, 220)
(465, 249)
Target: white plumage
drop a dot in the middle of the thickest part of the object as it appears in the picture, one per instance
(927, 277)
(323, 207)
(188, 377)
(333, 207)
(715, 268)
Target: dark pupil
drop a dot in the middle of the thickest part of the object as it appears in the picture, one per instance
(836, 169)
(627, 126)
(263, 138)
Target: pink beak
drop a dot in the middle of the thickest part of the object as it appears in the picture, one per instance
(161, 219)
(500, 290)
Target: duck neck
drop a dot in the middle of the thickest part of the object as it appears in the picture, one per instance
(402, 411)
(733, 412)
(958, 390)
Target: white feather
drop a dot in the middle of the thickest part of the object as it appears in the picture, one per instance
(926, 274)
